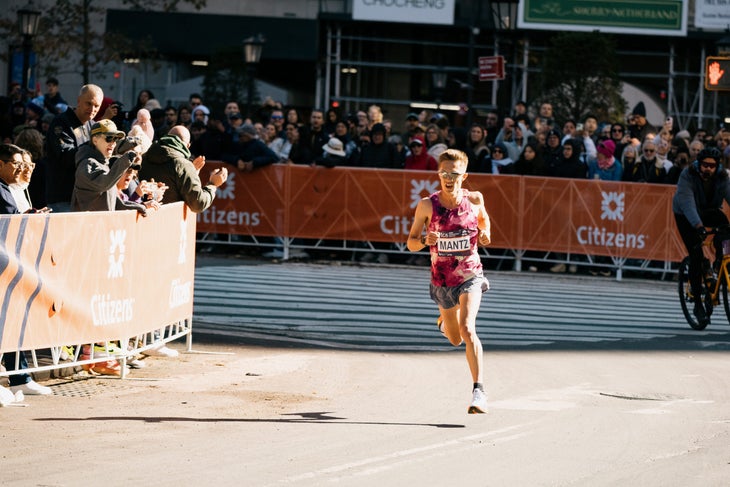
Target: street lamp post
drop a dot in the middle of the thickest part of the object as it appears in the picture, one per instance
(28, 25)
(504, 18)
(252, 48)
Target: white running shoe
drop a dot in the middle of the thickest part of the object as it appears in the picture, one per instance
(136, 363)
(32, 388)
(162, 351)
(478, 403)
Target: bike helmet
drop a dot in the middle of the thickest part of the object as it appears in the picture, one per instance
(711, 153)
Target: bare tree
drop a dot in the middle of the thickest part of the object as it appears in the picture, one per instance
(71, 37)
(579, 76)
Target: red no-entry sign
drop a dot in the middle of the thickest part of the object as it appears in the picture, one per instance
(491, 68)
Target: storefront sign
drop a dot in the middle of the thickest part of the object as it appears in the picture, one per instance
(660, 17)
(412, 11)
(712, 14)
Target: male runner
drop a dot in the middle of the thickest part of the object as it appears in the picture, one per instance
(456, 222)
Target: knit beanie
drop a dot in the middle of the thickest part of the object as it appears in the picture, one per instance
(606, 147)
(639, 109)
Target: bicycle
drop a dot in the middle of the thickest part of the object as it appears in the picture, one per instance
(712, 284)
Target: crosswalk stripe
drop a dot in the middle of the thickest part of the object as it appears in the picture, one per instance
(388, 308)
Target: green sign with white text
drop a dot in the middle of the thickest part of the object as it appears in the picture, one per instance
(659, 17)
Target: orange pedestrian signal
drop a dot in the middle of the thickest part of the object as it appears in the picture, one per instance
(717, 73)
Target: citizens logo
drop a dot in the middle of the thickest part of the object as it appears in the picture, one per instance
(418, 187)
(116, 253)
(612, 206)
(400, 225)
(612, 209)
(227, 191)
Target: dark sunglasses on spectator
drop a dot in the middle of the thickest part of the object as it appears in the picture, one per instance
(708, 165)
(498, 150)
(111, 138)
(276, 117)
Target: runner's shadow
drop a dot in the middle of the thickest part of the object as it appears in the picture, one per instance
(313, 418)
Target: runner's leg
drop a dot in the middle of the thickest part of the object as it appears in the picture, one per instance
(469, 304)
(450, 325)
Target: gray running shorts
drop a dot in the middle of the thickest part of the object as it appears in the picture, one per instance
(448, 297)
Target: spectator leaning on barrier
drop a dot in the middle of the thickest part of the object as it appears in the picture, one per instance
(168, 161)
(20, 189)
(98, 171)
(11, 168)
(333, 155)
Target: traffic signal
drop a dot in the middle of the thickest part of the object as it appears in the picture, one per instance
(717, 73)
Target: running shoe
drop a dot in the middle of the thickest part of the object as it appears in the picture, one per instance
(440, 324)
(478, 403)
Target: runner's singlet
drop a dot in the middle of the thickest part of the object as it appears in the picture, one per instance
(454, 258)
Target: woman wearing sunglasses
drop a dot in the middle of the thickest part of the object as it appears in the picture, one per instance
(98, 170)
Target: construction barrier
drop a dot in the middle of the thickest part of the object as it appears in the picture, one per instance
(589, 217)
(95, 277)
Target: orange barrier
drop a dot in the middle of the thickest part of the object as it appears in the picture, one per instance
(621, 220)
(95, 276)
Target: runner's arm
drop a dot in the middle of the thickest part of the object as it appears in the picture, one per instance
(416, 240)
(485, 228)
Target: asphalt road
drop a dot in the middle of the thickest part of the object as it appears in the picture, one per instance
(269, 415)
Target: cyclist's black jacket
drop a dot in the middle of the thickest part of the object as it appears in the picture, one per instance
(690, 198)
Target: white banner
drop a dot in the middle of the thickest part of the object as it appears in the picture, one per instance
(712, 14)
(412, 11)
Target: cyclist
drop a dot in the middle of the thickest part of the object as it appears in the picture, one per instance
(697, 203)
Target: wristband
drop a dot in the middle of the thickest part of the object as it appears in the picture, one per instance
(423, 240)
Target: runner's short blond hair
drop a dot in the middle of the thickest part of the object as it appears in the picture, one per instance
(458, 157)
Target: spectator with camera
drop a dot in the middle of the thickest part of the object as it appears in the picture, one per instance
(98, 171)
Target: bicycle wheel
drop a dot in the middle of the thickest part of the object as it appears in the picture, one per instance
(723, 287)
(686, 299)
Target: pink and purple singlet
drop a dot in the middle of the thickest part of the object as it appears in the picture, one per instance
(454, 258)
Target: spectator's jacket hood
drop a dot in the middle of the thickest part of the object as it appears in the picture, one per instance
(167, 146)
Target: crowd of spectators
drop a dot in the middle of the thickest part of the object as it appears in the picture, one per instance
(73, 167)
(80, 160)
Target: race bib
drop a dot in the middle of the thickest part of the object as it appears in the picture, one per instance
(454, 244)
